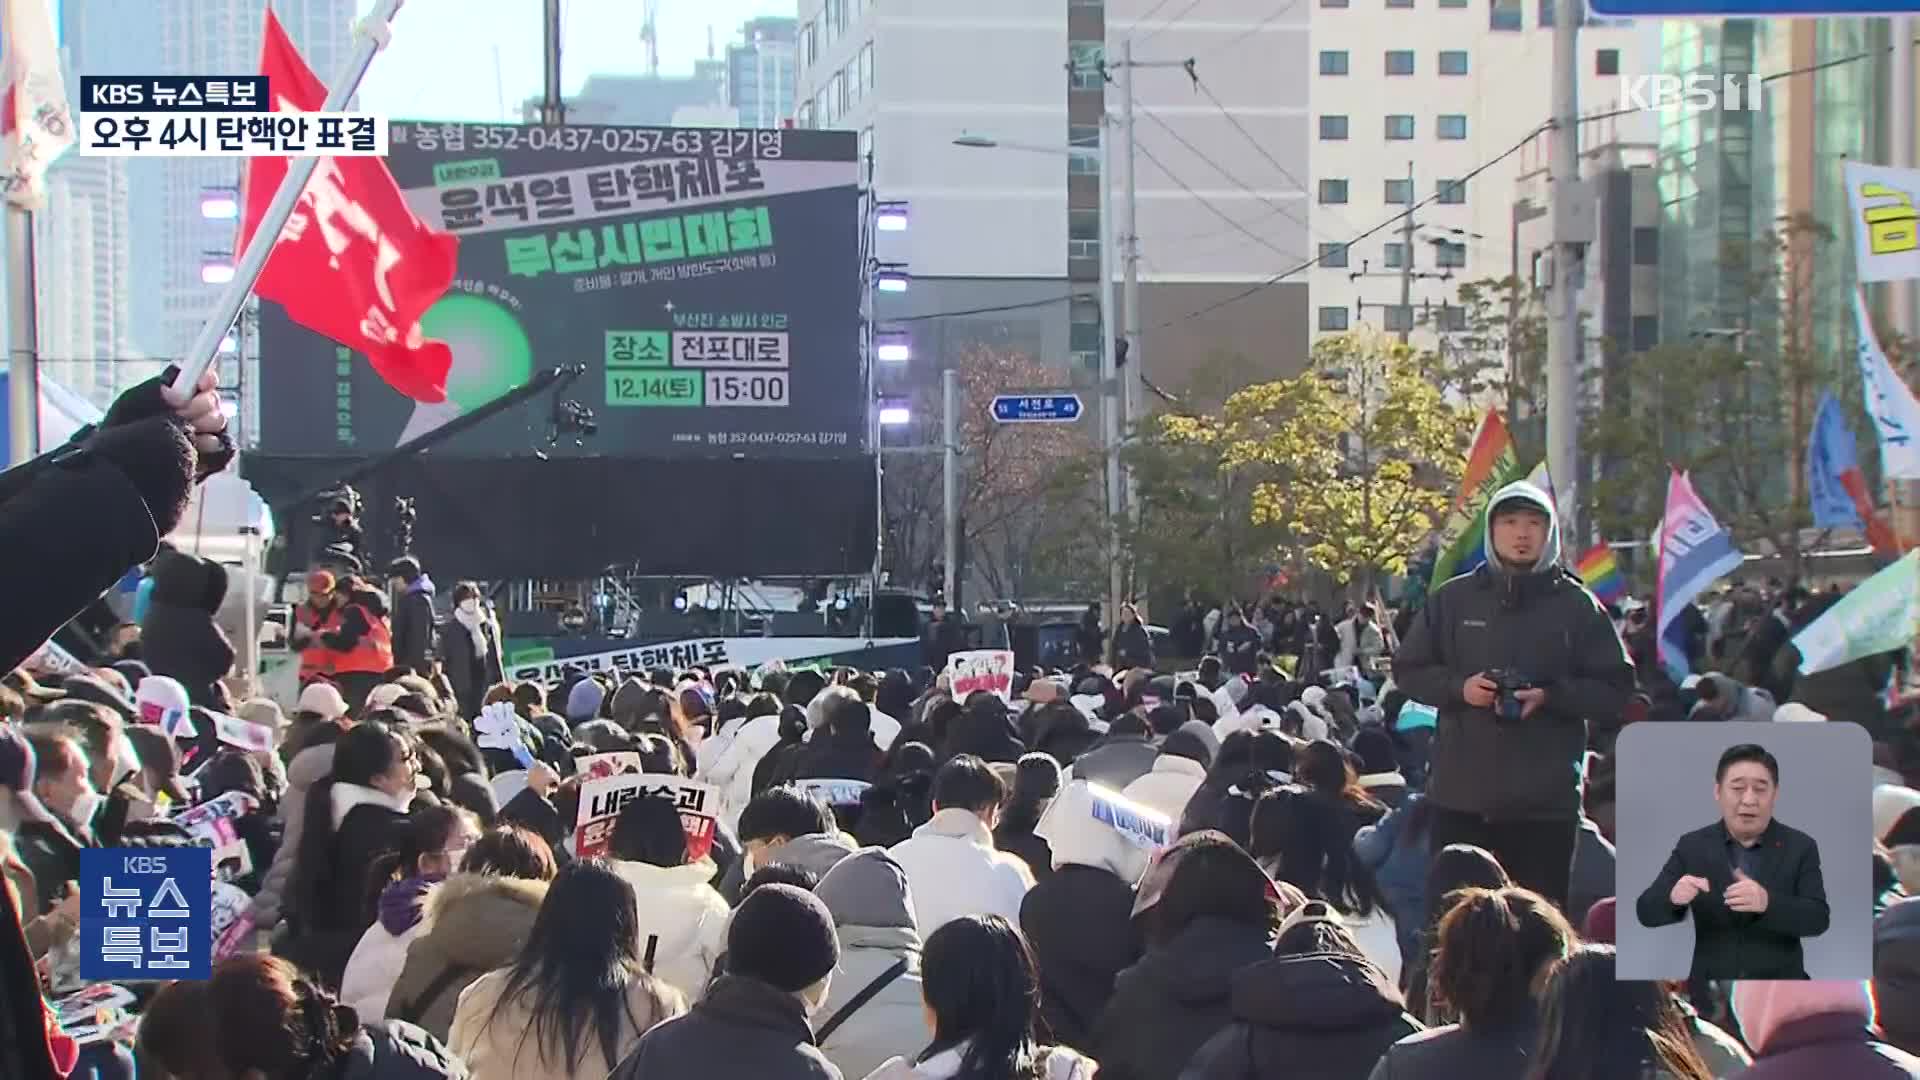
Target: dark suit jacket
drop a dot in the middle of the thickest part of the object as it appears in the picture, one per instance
(1738, 945)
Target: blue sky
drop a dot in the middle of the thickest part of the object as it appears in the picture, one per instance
(441, 63)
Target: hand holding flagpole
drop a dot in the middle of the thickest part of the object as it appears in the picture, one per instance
(370, 36)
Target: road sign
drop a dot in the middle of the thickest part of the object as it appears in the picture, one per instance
(1037, 408)
(1757, 9)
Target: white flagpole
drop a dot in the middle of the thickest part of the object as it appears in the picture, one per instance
(23, 366)
(370, 36)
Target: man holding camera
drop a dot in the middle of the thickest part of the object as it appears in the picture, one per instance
(1517, 657)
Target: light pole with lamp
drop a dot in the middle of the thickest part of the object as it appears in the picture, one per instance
(1111, 390)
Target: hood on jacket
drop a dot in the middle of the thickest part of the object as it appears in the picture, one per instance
(583, 701)
(1763, 1008)
(422, 585)
(186, 581)
(814, 852)
(646, 877)
(1315, 992)
(478, 919)
(400, 903)
(868, 889)
(1198, 965)
(1079, 837)
(1524, 492)
(626, 703)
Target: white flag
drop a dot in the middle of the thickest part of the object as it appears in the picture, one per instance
(1890, 403)
(1885, 219)
(36, 123)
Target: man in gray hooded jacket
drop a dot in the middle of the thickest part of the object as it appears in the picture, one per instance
(1508, 779)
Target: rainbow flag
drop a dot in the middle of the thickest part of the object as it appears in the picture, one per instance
(1491, 465)
(1601, 573)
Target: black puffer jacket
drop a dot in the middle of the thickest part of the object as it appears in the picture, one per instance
(1079, 922)
(179, 637)
(1166, 1007)
(392, 1050)
(1314, 1017)
(743, 1028)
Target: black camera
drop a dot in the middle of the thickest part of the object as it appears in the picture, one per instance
(1506, 684)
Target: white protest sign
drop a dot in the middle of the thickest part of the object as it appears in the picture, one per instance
(981, 669)
(242, 733)
(216, 821)
(834, 792)
(601, 766)
(1141, 826)
(602, 800)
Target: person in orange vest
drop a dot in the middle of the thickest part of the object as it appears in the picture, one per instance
(362, 644)
(318, 615)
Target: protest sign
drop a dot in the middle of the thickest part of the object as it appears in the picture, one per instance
(981, 669)
(217, 822)
(242, 733)
(601, 766)
(602, 800)
(834, 792)
(1141, 826)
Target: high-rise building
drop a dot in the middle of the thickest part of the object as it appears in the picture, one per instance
(1014, 227)
(83, 266)
(645, 100)
(760, 75)
(1408, 98)
(219, 37)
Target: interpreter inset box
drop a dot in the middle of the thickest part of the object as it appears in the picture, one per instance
(1743, 851)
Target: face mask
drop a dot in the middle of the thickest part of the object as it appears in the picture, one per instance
(84, 805)
(471, 607)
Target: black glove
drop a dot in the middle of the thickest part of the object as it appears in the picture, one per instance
(145, 401)
(158, 460)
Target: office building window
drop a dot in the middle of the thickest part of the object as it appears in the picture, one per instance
(1399, 126)
(1396, 317)
(804, 118)
(1333, 318)
(809, 45)
(1396, 255)
(1450, 193)
(1399, 61)
(1083, 334)
(1399, 192)
(1333, 61)
(1333, 128)
(1335, 3)
(1453, 61)
(1333, 256)
(1606, 62)
(1453, 3)
(1087, 136)
(1449, 256)
(1399, 3)
(1452, 318)
(1333, 192)
(1646, 332)
(866, 143)
(836, 18)
(1452, 125)
(1083, 234)
(866, 67)
(1506, 15)
(1646, 246)
(1087, 58)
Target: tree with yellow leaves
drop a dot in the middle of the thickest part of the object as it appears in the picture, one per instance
(1355, 459)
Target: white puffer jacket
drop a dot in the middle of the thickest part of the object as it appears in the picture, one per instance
(1169, 785)
(729, 764)
(682, 918)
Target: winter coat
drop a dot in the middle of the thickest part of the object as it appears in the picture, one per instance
(829, 755)
(46, 929)
(26, 1022)
(367, 824)
(1830, 1045)
(498, 1041)
(1117, 761)
(1539, 623)
(1080, 925)
(1015, 836)
(954, 870)
(1389, 789)
(1227, 805)
(1853, 691)
(873, 915)
(413, 627)
(1592, 877)
(471, 673)
(1238, 648)
(395, 1051)
(746, 742)
(1305, 1017)
(986, 730)
(1132, 647)
(683, 921)
(1169, 785)
(52, 853)
(1052, 1063)
(308, 768)
(1166, 1007)
(743, 1029)
(382, 952)
(473, 924)
(1444, 1053)
(815, 853)
(1399, 861)
(180, 637)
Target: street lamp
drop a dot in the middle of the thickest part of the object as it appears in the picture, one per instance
(893, 346)
(1111, 389)
(895, 416)
(216, 270)
(220, 204)
(890, 217)
(891, 278)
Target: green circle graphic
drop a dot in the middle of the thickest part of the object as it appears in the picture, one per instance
(491, 351)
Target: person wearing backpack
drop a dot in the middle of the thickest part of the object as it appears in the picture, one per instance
(875, 1011)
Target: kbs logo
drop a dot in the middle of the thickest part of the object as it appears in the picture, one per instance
(1692, 93)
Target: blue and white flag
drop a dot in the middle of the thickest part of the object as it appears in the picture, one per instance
(1830, 456)
(1890, 403)
(1695, 551)
(1881, 614)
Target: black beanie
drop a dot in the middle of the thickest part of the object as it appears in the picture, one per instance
(784, 937)
(1374, 748)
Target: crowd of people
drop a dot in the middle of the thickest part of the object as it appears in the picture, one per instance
(1268, 869)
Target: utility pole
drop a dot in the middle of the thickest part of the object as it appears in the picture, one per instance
(1130, 387)
(1406, 262)
(950, 479)
(1110, 397)
(23, 367)
(553, 111)
(1563, 307)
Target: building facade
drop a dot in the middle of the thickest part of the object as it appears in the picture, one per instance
(642, 100)
(760, 72)
(83, 265)
(1409, 97)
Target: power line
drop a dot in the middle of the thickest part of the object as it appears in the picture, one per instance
(1201, 86)
(1222, 170)
(1259, 26)
(1184, 12)
(1150, 11)
(1023, 306)
(1221, 214)
(1389, 223)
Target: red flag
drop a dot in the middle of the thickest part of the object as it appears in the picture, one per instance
(353, 262)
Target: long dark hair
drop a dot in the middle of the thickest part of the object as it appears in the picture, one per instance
(580, 960)
(1313, 839)
(979, 980)
(1594, 1026)
(1492, 944)
(428, 831)
(361, 754)
(1321, 766)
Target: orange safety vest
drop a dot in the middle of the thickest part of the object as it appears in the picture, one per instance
(316, 660)
(374, 653)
